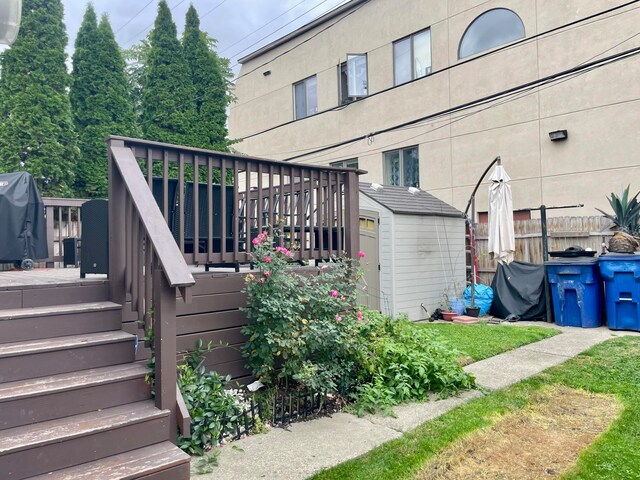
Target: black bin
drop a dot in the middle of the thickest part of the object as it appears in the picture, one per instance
(70, 248)
(94, 254)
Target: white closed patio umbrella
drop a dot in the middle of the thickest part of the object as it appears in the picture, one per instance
(502, 241)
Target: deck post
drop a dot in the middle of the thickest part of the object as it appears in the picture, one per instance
(164, 340)
(117, 239)
(352, 215)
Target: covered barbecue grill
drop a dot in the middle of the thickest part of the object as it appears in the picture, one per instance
(23, 236)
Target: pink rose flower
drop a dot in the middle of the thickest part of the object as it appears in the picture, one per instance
(359, 316)
(262, 280)
(334, 293)
(268, 259)
(361, 254)
(338, 318)
(256, 241)
(267, 274)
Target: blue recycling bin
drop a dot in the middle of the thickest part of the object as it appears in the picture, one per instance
(576, 292)
(621, 275)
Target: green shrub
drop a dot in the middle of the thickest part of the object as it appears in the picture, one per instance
(308, 329)
(213, 409)
(403, 363)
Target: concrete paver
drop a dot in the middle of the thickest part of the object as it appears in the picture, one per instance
(304, 448)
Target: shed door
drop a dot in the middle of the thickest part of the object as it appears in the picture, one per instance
(370, 263)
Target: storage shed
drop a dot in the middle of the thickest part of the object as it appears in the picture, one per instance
(415, 249)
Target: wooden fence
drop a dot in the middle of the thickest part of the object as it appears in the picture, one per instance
(563, 232)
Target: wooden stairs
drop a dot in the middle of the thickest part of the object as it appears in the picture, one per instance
(74, 404)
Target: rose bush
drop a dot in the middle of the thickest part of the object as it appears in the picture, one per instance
(305, 326)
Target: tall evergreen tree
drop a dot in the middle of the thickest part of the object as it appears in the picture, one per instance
(37, 133)
(210, 77)
(99, 99)
(168, 112)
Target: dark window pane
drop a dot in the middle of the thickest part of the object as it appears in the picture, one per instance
(402, 61)
(491, 29)
(411, 167)
(392, 168)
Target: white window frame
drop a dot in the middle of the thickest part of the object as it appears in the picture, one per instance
(411, 38)
(295, 106)
(385, 169)
(350, 96)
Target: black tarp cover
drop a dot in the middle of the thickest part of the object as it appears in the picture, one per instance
(518, 289)
(23, 232)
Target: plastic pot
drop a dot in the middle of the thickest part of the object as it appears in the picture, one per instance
(473, 311)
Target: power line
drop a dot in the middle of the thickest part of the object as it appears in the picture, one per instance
(445, 69)
(263, 26)
(534, 83)
(135, 37)
(213, 9)
(135, 16)
(304, 41)
(277, 30)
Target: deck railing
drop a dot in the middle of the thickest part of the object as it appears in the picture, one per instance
(145, 267)
(170, 206)
(63, 218)
(313, 207)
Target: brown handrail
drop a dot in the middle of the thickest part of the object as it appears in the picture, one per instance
(145, 269)
(169, 256)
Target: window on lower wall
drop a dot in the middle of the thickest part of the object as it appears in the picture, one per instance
(353, 78)
(402, 167)
(412, 57)
(305, 97)
(350, 163)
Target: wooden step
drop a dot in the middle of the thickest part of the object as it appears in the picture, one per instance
(66, 442)
(47, 398)
(39, 358)
(155, 462)
(21, 324)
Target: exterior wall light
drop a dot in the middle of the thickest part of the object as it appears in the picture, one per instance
(10, 12)
(267, 73)
(558, 135)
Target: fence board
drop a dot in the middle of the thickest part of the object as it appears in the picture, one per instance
(563, 232)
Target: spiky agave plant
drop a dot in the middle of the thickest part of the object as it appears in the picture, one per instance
(626, 212)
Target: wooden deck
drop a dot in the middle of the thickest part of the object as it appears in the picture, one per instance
(65, 276)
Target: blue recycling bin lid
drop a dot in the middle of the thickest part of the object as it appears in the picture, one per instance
(572, 261)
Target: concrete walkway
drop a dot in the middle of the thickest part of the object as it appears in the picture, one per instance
(307, 447)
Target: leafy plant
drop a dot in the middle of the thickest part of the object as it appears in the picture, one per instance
(213, 410)
(206, 463)
(404, 363)
(626, 212)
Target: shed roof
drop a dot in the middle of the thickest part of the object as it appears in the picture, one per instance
(400, 200)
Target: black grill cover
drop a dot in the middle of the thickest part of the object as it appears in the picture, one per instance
(23, 233)
(518, 289)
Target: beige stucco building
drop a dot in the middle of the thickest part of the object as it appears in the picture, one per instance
(413, 59)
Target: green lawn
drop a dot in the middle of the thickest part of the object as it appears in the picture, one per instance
(612, 367)
(484, 340)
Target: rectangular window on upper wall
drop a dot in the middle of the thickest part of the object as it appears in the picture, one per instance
(305, 97)
(350, 163)
(402, 167)
(353, 78)
(412, 57)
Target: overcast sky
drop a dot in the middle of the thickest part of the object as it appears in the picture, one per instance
(234, 23)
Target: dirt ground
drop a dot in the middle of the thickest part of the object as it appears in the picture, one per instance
(539, 442)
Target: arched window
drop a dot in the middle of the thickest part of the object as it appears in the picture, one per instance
(491, 29)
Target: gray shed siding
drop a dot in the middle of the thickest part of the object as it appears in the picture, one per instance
(428, 258)
(420, 257)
